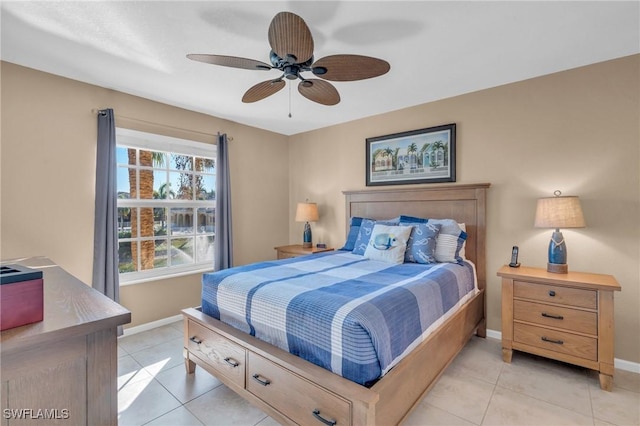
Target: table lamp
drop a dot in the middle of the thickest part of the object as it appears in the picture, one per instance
(307, 212)
(558, 212)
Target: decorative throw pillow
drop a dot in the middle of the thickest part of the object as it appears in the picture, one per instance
(364, 233)
(388, 243)
(450, 240)
(354, 228)
(422, 243)
(412, 219)
(464, 243)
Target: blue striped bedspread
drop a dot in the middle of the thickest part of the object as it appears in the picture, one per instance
(353, 316)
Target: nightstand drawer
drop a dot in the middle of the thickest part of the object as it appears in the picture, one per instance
(557, 341)
(556, 316)
(556, 294)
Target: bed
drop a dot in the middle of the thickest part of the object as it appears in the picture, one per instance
(295, 391)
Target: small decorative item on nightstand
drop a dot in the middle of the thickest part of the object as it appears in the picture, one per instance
(307, 212)
(558, 212)
(514, 258)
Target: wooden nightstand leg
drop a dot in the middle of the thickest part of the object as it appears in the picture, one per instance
(507, 354)
(606, 382)
(189, 365)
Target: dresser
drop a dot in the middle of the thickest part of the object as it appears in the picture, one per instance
(295, 250)
(64, 369)
(567, 317)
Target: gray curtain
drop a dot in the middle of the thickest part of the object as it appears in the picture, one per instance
(223, 242)
(105, 240)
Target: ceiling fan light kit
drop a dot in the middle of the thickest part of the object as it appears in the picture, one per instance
(292, 53)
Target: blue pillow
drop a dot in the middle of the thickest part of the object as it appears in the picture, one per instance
(354, 228)
(450, 240)
(421, 246)
(412, 219)
(364, 234)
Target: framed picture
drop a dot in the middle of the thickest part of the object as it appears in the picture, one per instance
(417, 156)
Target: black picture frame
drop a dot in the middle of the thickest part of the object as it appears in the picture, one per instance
(399, 158)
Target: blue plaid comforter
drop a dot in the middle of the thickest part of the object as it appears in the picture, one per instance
(353, 316)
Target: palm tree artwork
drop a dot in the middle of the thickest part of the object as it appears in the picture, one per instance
(411, 150)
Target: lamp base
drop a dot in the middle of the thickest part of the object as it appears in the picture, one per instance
(557, 268)
(306, 236)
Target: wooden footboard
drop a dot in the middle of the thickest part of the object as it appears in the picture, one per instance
(295, 391)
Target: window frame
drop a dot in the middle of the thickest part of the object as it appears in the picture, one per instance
(127, 138)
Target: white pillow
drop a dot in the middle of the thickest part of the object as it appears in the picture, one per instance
(388, 243)
(450, 240)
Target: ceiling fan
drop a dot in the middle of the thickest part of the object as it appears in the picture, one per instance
(292, 53)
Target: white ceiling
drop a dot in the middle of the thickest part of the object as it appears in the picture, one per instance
(436, 49)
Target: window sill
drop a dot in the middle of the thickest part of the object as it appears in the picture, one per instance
(159, 277)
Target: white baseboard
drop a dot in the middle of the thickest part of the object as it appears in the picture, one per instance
(150, 325)
(622, 364)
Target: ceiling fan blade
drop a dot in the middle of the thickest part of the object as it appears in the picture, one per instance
(230, 61)
(319, 91)
(349, 67)
(262, 90)
(289, 36)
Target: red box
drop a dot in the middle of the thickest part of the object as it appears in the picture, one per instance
(21, 296)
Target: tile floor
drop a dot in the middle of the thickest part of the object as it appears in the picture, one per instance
(477, 389)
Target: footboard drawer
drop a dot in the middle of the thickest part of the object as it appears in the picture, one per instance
(302, 401)
(217, 351)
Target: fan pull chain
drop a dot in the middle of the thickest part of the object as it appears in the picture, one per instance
(289, 99)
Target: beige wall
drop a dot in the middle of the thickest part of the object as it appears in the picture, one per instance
(48, 179)
(577, 131)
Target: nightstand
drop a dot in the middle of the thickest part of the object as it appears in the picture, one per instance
(566, 317)
(295, 250)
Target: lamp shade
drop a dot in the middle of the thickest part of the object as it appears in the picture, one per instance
(307, 212)
(559, 212)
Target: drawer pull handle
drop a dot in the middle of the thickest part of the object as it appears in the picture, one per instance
(557, 342)
(232, 362)
(558, 317)
(195, 340)
(264, 382)
(552, 293)
(316, 414)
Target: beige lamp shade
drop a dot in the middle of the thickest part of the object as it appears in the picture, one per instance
(307, 212)
(559, 212)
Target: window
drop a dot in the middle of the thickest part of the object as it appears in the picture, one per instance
(166, 205)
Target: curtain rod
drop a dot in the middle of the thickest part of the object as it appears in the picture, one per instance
(101, 111)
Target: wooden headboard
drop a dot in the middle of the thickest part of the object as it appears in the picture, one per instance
(463, 203)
